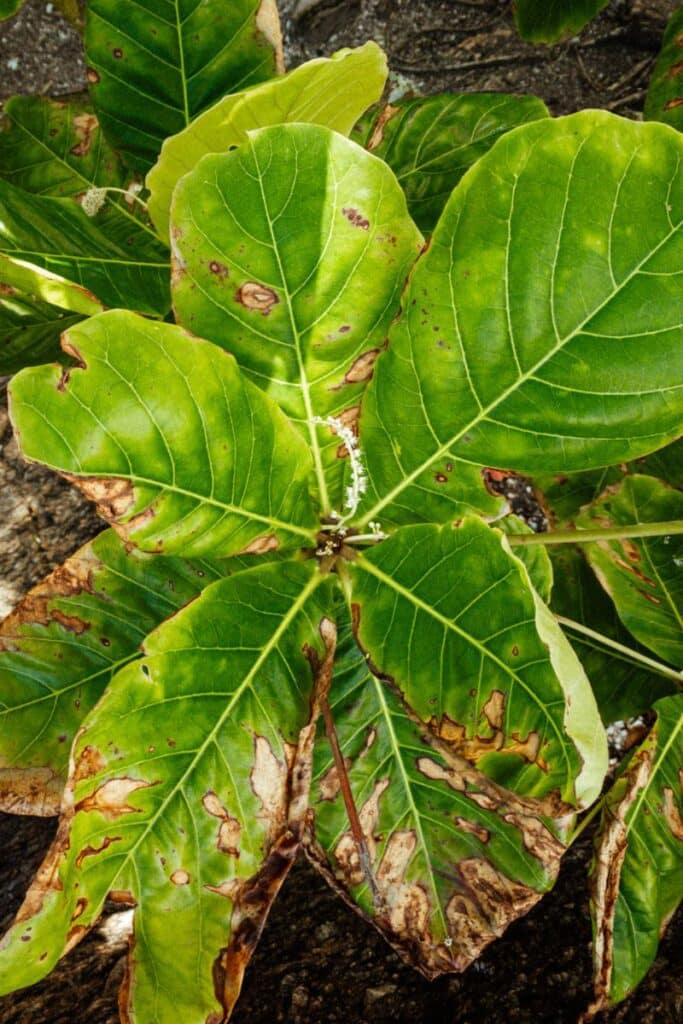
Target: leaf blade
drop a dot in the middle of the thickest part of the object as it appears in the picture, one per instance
(160, 462)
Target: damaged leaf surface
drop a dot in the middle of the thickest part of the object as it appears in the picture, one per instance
(637, 874)
(329, 91)
(664, 100)
(29, 330)
(179, 799)
(60, 648)
(447, 615)
(642, 575)
(153, 65)
(454, 857)
(180, 453)
(540, 329)
(305, 315)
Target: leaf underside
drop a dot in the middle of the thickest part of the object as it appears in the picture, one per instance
(29, 330)
(664, 100)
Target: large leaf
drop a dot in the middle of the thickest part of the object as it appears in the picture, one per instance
(29, 330)
(182, 800)
(61, 646)
(429, 142)
(642, 575)
(114, 263)
(333, 92)
(291, 253)
(453, 858)
(156, 64)
(664, 100)
(182, 455)
(637, 875)
(623, 686)
(541, 329)
(448, 617)
(547, 21)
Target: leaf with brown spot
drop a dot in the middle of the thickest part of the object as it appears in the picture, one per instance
(454, 856)
(637, 870)
(294, 292)
(61, 646)
(644, 579)
(180, 837)
(186, 457)
(664, 100)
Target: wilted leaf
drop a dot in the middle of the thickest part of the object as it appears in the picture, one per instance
(664, 100)
(453, 857)
(96, 265)
(430, 141)
(447, 616)
(548, 21)
(179, 801)
(642, 575)
(181, 454)
(291, 253)
(328, 91)
(62, 644)
(623, 688)
(29, 330)
(637, 875)
(153, 65)
(541, 327)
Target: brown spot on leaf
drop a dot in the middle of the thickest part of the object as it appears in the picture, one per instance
(346, 850)
(631, 550)
(229, 830)
(257, 297)
(378, 131)
(433, 770)
(473, 829)
(219, 269)
(672, 813)
(649, 597)
(113, 496)
(500, 899)
(469, 930)
(123, 896)
(357, 219)
(269, 779)
(180, 877)
(85, 126)
(361, 369)
(118, 53)
(80, 908)
(537, 839)
(261, 545)
(677, 101)
(92, 76)
(92, 851)
(46, 879)
(370, 738)
(675, 70)
(228, 889)
(494, 709)
(111, 798)
(90, 762)
(441, 478)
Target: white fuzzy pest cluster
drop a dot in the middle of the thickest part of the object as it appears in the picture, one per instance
(93, 200)
(359, 481)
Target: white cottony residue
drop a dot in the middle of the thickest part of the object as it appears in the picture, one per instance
(359, 481)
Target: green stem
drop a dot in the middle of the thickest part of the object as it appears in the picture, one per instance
(595, 809)
(605, 641)
(600, 533)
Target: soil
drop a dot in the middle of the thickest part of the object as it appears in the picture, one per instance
(318, 962)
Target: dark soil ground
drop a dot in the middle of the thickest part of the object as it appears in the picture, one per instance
(318, 963)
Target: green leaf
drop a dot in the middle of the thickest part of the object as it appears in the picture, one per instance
(541, 327)
(113, 263)
(536, 557)
(291, 253)
(637, 874)
(9, 7)
(182, 455)
(29, 330)
(448, 617)
(61, 646)
(623, 688)
(56, 148)
(548, 21)
(564, 494)
(642, 575)
(180, 798)
(430, 141)
(329, 91)
(664, 100)
(153, 65)
(453, 857)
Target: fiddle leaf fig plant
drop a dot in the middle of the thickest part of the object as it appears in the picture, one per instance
(313, 624)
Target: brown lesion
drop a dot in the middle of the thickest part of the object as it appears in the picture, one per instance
(111, 798)
(229, 830)
(258, 298)
(85, 126)
(377, 136)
